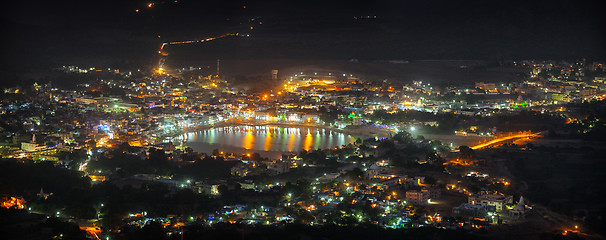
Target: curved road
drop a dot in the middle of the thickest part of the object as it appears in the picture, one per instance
(501, 139)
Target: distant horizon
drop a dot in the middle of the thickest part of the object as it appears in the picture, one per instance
(43, 35)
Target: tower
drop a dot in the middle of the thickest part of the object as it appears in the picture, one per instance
(274, 74)
(218, 65)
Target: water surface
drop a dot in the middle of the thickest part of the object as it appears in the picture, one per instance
(269, 141)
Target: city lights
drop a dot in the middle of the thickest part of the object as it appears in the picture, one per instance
(252, 119)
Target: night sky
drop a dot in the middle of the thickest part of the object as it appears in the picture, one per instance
(43, 34)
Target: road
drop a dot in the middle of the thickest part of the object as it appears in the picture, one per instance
(506, 138)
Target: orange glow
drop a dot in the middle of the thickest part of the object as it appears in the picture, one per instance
(97, 178)
(505, 138)
(268, 141)
(291, 142)
(461, 162)
(93, 231)
(307, 143)
(249, 141)
(13, 202)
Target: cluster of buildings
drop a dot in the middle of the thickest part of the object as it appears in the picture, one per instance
(146, 111)
(156, 106)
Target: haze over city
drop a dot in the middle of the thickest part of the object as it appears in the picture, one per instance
(302, 120)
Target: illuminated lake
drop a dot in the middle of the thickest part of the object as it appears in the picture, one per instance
(269, 141)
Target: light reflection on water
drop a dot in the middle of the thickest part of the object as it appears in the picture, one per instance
(265, 138)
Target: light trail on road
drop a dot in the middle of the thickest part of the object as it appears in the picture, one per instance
(196, 41)
(160, 68)
(501, 139)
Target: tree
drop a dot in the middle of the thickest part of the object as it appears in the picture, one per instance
(430, 180)
(82, 210)
(124, 147)
(304, 217)
(466, 152)
(157, 156)
(356, 173)
(256, 156)
(92, 143)
(152, 230)
(403, 137)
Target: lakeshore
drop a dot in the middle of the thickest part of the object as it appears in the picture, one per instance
(358, 131)
(293, 137)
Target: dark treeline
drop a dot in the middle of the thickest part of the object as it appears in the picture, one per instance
(295, 231)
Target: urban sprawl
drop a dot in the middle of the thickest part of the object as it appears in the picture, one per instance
(111, 154)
